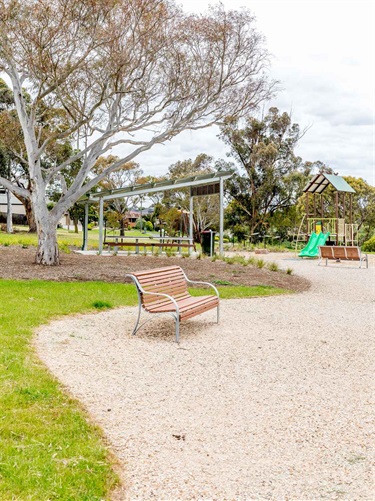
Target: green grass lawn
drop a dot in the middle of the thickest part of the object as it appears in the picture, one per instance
(65, 238)
(242, 291)
(48, 448)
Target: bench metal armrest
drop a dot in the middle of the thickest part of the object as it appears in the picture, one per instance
(142, 291)
(164, 295)
(203, 283)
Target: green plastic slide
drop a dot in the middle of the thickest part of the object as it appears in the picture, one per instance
(311, 249)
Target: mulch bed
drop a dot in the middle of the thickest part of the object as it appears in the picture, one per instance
(18, 263)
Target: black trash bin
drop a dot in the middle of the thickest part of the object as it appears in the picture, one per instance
(208, 242)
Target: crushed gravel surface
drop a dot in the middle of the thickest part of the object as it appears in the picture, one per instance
(275, 402)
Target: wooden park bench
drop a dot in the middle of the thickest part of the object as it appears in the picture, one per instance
(342, 253)
(165, 290)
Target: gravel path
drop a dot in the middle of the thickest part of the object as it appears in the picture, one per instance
(275, 402)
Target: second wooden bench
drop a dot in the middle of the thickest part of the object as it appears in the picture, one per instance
(342, 253)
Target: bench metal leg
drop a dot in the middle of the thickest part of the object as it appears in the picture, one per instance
(365, 259)
(138, 318)
(218, 314)
(177, 329)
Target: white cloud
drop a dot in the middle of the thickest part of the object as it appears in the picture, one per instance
(323, 54)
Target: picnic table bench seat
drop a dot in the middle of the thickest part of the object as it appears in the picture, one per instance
(165, 290)
(150, 244)
(342, 253)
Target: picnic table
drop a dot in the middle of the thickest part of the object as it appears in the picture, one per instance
(165, 242)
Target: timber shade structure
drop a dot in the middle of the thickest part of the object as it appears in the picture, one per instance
(213, 180)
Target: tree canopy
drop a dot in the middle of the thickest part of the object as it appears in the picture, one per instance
(118, 72)
(269, 173)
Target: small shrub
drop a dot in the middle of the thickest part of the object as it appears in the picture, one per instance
(64, 248)
(260, 263)
(101, 305)
(25, 246)
(252, 260)
(146, 225)
(222, 282)
(369, 245)
(273, 267)
(229, 260)
(169, 252)
(236, 260)
(289, 271)
(6, 244)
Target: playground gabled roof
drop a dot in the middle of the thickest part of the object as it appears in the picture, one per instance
(320, 182)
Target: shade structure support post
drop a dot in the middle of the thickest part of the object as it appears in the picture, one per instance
(101, 224)
(85, 227)
(337, 216)
(221, 222)
(191, 220)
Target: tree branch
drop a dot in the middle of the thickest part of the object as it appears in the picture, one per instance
(14, 189)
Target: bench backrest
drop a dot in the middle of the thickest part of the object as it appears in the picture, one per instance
(340, 252)
(353, 253)
(169, 280)
(326, 251)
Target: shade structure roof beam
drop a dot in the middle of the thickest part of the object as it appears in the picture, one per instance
(144, 189)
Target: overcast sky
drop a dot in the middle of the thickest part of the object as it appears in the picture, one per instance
(324, 55)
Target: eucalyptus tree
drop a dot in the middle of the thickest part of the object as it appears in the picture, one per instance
(126, 73)
(269, 172)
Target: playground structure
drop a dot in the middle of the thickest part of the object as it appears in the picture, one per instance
(320, 230)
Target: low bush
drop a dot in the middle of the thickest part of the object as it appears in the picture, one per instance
(260, 263)
(146, 225)
(102, 305)
(369, 245)
(273, 267)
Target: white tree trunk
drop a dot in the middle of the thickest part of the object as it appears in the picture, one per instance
(9, 212)
(48, 250)
(46, 223)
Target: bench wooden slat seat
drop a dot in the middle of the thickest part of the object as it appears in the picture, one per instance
(165, 290)
(342, 253)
